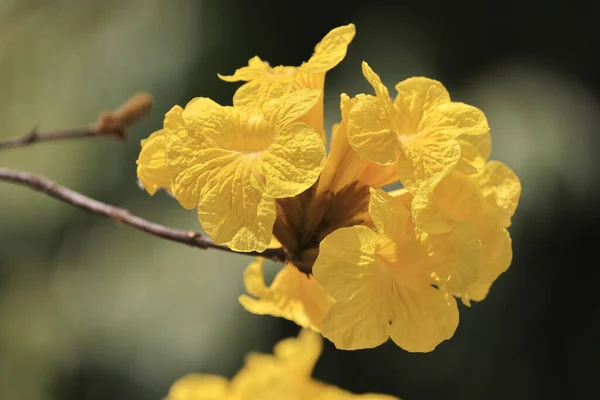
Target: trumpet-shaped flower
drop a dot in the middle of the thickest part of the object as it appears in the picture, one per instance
(265, 82)
(382, 280)
(284, 375)
(293, 295)
(232, 165)
(421, 130)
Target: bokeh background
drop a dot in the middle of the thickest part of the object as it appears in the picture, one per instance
(91, 310)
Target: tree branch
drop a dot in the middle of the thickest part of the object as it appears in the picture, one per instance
(121, 215)
(34, 136)
(110, 123)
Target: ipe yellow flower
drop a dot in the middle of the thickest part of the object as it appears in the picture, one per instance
(265, 82)
(152, 170)
(284, 375)
(382, 280)
(361, 265)
(232, 165)
(421, 130)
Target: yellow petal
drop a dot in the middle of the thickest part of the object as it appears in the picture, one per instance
(256, 68)
(293, 295)
(456, 198)
(502, 189)
(455, 258)
(348, 270)
(344, 166)
(233, 209)
(370, 130)
(454, 119)
(475, 151)
(294, 161)
(380, 90)
(416, 97)
(331, 49)
(423, 317)
(254, 94)
(152, 170)
(363, 322)
(200, 387)
(345, 256)
(495, 258)
(286, 109)
(192, 153)
(314, 117)
(425, 161)
(174, 119)
(388, 214)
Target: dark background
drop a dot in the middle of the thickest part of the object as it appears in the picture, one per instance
(90, 310)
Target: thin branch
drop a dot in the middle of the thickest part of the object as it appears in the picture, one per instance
(121, 215)
(34, 137)
(109, 123)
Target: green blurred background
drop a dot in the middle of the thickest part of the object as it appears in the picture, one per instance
(91, 310)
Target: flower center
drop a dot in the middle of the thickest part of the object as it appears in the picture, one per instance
(305, 220)
(252, 137)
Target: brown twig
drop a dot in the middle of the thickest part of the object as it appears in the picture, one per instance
(122, 215)
(110, 123)
(34, 136)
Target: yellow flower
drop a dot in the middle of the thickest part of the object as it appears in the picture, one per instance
(152, 171)
(284, 375)
(265, 82)
(232, 165)
(422, 131)
(382, 282)
(293, 295)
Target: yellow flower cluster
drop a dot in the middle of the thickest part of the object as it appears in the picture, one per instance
(364, 265)
(284, 375)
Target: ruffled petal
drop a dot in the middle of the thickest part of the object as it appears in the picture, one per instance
(254, 94)
(348, 270)
(233, 208)
(294, 161)
(345, 259)
(331, 49)
(495, 258)
(423, 317)
(502, 190)
(389, 215)
(425, 161)
(455, 258)
(285, 110)
(293, 295)
(380, 89)
(416, 97)
(152, 170)
(256, 68)
(456, 198)
(454, 119)
(370, 130)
